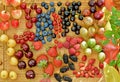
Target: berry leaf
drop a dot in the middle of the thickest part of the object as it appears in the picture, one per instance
(113, 63)
(108, 33)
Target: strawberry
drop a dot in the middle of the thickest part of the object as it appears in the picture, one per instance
(42, 60)
(57, 61)
(72, 51)
(77, 46)
(52, 51)
(73, 41)
(66, 44)
(49, 69)
(37, 45)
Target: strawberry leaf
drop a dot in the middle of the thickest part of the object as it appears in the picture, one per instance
(104, 42)
(118, 56)
(108, 33)
(112, 63)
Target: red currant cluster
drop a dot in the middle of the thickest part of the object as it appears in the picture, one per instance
(57, 23)
(26, 36)
(31, 20)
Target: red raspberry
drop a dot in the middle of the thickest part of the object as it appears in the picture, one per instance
(73, 41)
(60, 45)
(66, 45)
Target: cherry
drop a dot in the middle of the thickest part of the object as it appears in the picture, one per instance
(23, 5)
(33, 6)
(98, 15)
(29, 25)
(34, 19)
(27, 10)
(38, 10)
(15, 36)
(27, 17)
(86, 12)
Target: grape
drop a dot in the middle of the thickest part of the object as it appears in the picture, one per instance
(83, 32)
(101, 56)
(91, 42)
(98, 48)
(84, 45)
(91, 31)
(88, 51)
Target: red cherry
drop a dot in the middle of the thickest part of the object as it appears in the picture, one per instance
(29, 25)
(4, 15)
(15, 23)
(27, 17)
(34, 19)
(100, 3)
(27, 10)
(22, 41)
(23, 5)
(15, 36)
(17, 41)
(4, 25)
(33, 6)
(86, 12)
(98, 15)
(38, 10)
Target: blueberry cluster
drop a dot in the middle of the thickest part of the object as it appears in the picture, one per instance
(68, 15)
(44, 24)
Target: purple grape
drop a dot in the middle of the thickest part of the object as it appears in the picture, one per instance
(32, 63)
(29, 54)
(30, 74)
(25, 47)
(19, 54)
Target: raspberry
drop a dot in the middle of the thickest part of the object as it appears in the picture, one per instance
(73, 41)
(60, 45)
(77, 46)
(68, 38)
(72, 51)
(66, 44)
(79, 39)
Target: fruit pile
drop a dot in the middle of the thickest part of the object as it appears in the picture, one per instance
(61, 39)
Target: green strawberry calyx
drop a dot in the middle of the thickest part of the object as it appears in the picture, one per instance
(42, 64)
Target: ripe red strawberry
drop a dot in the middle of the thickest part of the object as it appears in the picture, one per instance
(52, 52)
(73, 41)
(37, 45)
(42, 60)
(57, 61)
(49, 69)
(66, 44)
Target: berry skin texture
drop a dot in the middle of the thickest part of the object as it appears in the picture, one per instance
(57, 62)
(72, 51)
(15, 23)
(37, 45)
(52, 52)
(49, 69)
(42, 60)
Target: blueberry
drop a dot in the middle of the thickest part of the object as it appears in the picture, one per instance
(43, 14)
(49, 22)
(43, 41)
(46, 6)
(38, 24)
(79, 3)
(36, 39)
(49, 38)
(44, 20)
(43, 4)
(37, 34)
(44, 33)
(50, 27)
(52, 9)
(51, 4)
(47, 16)
(45, 24)
(39, 19)
(39, 15)
(42, 28)
(41, 37)
(48, 12)
(67, 13)
(49, 32)
(59, 3)
(38, 30)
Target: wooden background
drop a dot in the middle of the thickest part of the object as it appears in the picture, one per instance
(21, 73)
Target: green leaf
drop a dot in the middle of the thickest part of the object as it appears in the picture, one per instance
(104, 42)
(113, 10)
(116, 35)
(114, 41)
(118, 65)
(118, 56)
(108, 33)
(117, 22)
(113, 26)
(112, 63)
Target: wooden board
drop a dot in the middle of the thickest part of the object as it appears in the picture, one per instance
(38, 71)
